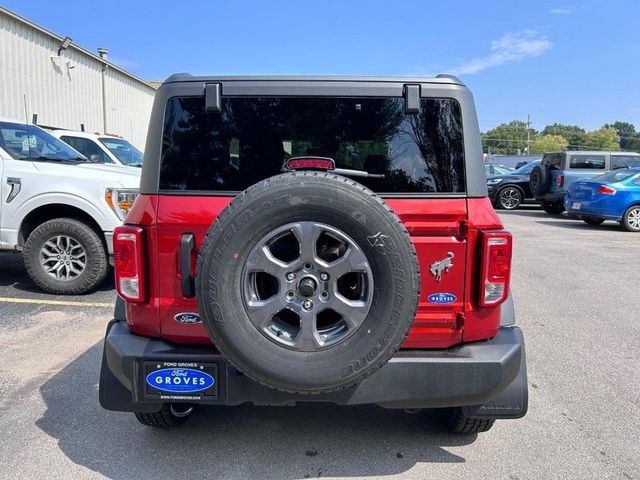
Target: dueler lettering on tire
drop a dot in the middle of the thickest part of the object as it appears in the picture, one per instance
(294, 291)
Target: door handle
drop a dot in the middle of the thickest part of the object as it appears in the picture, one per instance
(187, 283)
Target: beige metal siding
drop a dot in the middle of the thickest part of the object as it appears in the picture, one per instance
(66, 91)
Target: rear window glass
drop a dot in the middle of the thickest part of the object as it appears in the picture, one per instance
(615, 176)
(622, 161)
(553, 159)
(250, 139)
(587, 161)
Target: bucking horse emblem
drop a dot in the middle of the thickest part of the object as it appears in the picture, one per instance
(441, 266)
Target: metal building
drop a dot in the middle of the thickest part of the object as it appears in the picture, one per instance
(66, 86)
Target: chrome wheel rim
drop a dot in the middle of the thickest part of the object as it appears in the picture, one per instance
(63, 258)
(307, 286)
(509, 198)
(633, 219)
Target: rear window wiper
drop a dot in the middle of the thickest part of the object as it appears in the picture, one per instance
(348, 172)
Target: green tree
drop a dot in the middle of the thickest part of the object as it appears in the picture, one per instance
(549, 143)
(605, 138)
(629, 138)
(507, 138)
(575, 135)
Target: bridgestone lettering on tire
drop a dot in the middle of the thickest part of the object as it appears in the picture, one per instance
(307, 282)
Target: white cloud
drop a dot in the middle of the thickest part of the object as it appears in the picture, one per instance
(562, 10)
(511, 47)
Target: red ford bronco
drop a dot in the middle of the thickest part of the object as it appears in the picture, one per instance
(314, 239)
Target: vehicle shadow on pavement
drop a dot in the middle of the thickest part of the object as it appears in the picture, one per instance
(530, 213)
(306, 441)
(580, 225)
(13, 274)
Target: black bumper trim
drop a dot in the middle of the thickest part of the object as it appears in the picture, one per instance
(469, 375)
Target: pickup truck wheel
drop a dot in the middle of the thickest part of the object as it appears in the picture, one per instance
(631, 219)
(458, 422)
(170, 415)
(553, 208)
(65, 256)
(308, 282)
(592, 220)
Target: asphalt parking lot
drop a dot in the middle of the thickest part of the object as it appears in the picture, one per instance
(577, 301)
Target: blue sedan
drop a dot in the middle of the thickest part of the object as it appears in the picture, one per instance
(614, 195)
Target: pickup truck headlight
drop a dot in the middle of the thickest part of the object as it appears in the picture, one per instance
(120, 200)
(494, 181)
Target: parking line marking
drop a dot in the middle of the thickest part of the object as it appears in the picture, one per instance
(67, 303)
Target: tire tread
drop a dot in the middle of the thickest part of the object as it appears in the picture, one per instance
(95, 270)
(294, 177)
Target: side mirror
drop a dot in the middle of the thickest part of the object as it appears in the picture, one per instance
(94, 158)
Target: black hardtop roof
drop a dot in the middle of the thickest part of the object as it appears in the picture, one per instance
(442, 78)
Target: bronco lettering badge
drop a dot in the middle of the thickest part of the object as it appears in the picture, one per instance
(442, 266)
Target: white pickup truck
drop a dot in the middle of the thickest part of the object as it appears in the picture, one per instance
(58, 208)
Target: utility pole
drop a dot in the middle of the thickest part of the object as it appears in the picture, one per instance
(528, 134)
(102, 52)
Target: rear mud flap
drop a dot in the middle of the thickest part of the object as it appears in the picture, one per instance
(512, 402)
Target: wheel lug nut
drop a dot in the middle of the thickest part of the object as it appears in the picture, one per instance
(289, 295)
(324, 276)
(307, 304)
(290, 276)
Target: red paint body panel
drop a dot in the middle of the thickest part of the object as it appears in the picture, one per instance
(434, 226)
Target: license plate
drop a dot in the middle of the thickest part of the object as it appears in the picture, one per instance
(180, 380)
(576, 205)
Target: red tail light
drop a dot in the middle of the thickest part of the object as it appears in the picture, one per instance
(604, 190)
(129, 262)
(495, 267)
(560, 180)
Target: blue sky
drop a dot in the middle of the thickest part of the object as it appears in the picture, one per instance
(568, 62)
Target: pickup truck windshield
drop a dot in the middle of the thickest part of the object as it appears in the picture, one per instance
(123, 150)
(28, 142)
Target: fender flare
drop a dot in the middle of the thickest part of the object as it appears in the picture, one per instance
(99, 214)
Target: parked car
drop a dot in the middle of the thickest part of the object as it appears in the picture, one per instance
(102, 148)
(612, 196)
(496, 169)
(58, 208)
(291, 243)
(551, 179)
(511, 190)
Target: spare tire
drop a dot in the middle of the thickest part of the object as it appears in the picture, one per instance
(307, 282)
(539, 180)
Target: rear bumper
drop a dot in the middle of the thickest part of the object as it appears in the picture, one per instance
(556, 197)
(592, 209)
(488, 378)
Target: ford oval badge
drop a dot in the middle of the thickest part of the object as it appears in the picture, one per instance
(187, 318)
(180, 380)
(442, 298)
